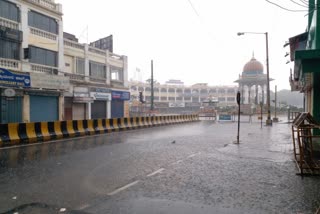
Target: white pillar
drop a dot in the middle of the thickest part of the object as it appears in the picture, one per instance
(88, 111)
(108, 70)
(125, 71)
(61, 64)
(25, 39)
(86, 62)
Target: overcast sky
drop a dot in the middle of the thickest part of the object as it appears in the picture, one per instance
(194, 44)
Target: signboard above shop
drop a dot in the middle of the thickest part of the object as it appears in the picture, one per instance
(120, 95)
(49, 81)
(11, 79)
(100, 96)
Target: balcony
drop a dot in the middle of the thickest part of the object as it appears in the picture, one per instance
(10, 64)
(97, 51)
(43, 69)
(98, 80)
(47, 4)
(43, 34)
(9, 24)
(116, 60)
(75, 77)
(74, 45)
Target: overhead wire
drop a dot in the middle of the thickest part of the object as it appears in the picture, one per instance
(302, 5)
(284, 8)
(194, 9)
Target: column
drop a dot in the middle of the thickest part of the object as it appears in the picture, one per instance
(61, 64)
(25, 66)
(86, 63)
(257, 95)
(242, 93)
(88, 111)
(61, 108)
(125, 71)
(26, 108)
(108, 70)
(249, 94)
(263, 97)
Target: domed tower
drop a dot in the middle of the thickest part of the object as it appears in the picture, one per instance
(252, 75)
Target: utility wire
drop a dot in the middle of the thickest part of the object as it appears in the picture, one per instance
(307, 3)
(302, 5)
(194, 9)
(304, 2)
(284, 8)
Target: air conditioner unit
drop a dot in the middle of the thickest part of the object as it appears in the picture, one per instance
(55, 71)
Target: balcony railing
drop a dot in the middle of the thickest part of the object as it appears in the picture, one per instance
(43, 34)
(10, 64)
(97, 79)
(44, 69)
(72, 44)
(9, 24)
(97, 51)
(47, 4)
(76, 77)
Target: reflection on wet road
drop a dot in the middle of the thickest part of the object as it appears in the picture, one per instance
(143, 171)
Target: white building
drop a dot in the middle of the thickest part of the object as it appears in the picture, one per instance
(173, 98)
(46, 77)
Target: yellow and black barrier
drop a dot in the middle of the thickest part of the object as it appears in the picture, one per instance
(25, 133)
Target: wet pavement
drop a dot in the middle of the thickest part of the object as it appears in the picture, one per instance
(185, 168)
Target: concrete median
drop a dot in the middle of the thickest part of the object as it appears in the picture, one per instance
(26, 133)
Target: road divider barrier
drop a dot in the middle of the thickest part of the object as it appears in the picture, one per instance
(28, 133)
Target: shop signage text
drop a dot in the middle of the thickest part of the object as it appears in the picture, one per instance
(49, 81)
(120, 95)
(11, 79)
(100, 96)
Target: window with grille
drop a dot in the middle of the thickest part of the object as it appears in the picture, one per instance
(97, 69)
(9, 10)
(42, 22)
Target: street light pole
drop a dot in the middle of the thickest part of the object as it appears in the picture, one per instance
(268, 121)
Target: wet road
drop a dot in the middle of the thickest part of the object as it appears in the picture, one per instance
(185, 168)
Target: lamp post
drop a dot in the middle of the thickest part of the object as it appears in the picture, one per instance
(268, 121)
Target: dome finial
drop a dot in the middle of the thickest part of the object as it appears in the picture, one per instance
(252, 54)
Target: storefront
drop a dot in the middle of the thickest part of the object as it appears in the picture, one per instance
(45, 95)
(81, 100)
(100, 108)
(44, 106)
(118, 103)
(11, 95)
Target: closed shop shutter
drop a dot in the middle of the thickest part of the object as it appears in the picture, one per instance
(43, 108)
(79, 111)
(117, 108)
(98, 109)
(68, 108)
(11, 109)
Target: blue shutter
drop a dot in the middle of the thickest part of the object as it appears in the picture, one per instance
(43, 108)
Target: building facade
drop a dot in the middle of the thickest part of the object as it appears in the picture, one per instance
(46, 77)
(175, 97)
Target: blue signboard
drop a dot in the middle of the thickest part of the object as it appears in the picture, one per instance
(11, 79)
(120, 95)
(225, 117)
